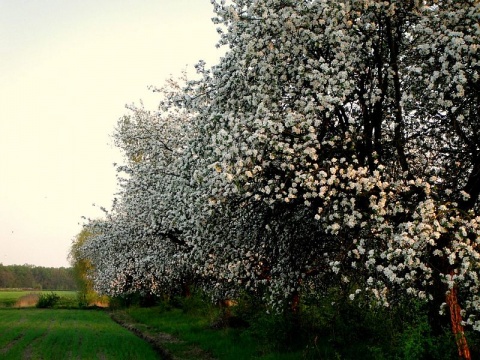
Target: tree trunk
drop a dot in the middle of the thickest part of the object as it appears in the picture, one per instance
(456, 322)
(295, 305)
(186, 293)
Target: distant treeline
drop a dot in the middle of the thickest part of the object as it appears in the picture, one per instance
(36, 277)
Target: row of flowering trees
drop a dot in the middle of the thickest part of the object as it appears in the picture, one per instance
(335, 142)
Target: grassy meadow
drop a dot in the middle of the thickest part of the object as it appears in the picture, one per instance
(67, 334)
(194, 328)
(28, 298)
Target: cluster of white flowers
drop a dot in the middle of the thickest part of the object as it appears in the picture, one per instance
(334, 137)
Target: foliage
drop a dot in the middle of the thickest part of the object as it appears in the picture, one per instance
(48, 300)
(198, 304)
(36, 277)
(82, 267)
(133, 299)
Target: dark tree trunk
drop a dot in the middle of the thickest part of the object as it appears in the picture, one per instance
(456, 323)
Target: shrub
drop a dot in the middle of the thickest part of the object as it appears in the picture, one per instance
(198, 303)
(48, 300)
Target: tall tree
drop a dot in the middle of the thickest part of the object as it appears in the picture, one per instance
(365, 115)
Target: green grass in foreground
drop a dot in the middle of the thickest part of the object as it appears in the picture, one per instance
(10, 298)
(224, 344)
(67, 334)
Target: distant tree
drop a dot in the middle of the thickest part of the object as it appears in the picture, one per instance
(36, 277)
(7, 278)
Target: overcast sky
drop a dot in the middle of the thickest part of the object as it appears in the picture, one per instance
(67, 69)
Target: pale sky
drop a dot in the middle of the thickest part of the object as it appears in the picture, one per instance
(67, 69)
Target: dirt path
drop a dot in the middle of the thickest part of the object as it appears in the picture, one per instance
(160, 341)
(27, 353)
(7, 348)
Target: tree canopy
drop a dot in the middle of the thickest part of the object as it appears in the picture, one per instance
(335, 142)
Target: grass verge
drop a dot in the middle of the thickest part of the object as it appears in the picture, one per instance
(194, 330)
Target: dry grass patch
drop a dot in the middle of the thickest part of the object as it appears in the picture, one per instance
(28, 300)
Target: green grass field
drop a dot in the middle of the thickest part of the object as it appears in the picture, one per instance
(12, 298)
(67, 334)
(194, 329)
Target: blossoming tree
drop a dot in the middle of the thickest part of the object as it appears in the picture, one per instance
(140, 246)
(364, 115)
(334, 140)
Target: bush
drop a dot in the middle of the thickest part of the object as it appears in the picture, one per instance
(48, 300)
(199, 304)
(336, 326)
(128, 300)
(277, 332)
